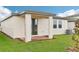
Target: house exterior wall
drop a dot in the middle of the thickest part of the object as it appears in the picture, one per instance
(43, 26)
(13, 27)
(19, 27)
(57, 31)
(7, 27)
(71, 25)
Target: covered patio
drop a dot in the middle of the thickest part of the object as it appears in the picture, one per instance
(38, 26)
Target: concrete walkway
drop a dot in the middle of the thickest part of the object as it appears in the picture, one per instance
(36, 37)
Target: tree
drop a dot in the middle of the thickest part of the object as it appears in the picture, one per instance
(75, 36)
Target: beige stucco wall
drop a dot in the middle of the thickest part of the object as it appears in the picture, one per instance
(7, 27)
(43, 26)
(14, 27)
(61, 30)
(28, 27)
(19, 27)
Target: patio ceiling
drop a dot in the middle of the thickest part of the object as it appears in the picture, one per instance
(39, 16)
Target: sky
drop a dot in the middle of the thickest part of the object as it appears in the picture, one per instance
(61, 11)
(52, 9)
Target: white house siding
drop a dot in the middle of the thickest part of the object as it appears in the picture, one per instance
(13, 27)
(43, 26)
(57, 31)
(71, 25)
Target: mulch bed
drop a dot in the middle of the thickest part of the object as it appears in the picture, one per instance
(72, 49)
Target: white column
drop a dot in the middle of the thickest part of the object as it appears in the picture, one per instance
(28, 28)
(50, 27)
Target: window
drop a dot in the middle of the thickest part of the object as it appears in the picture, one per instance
(60, 24)
(54, 23)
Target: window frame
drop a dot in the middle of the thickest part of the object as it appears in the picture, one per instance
(59, 24)
(55, 24)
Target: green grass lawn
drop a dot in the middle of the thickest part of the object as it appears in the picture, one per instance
(59, 44)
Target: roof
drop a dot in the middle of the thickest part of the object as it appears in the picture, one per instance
(57, 17)
(73, 15)
(72, 18)
(29, 12)
(37, 12)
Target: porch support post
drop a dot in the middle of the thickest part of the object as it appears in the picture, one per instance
(50, 27)
(28, 27)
